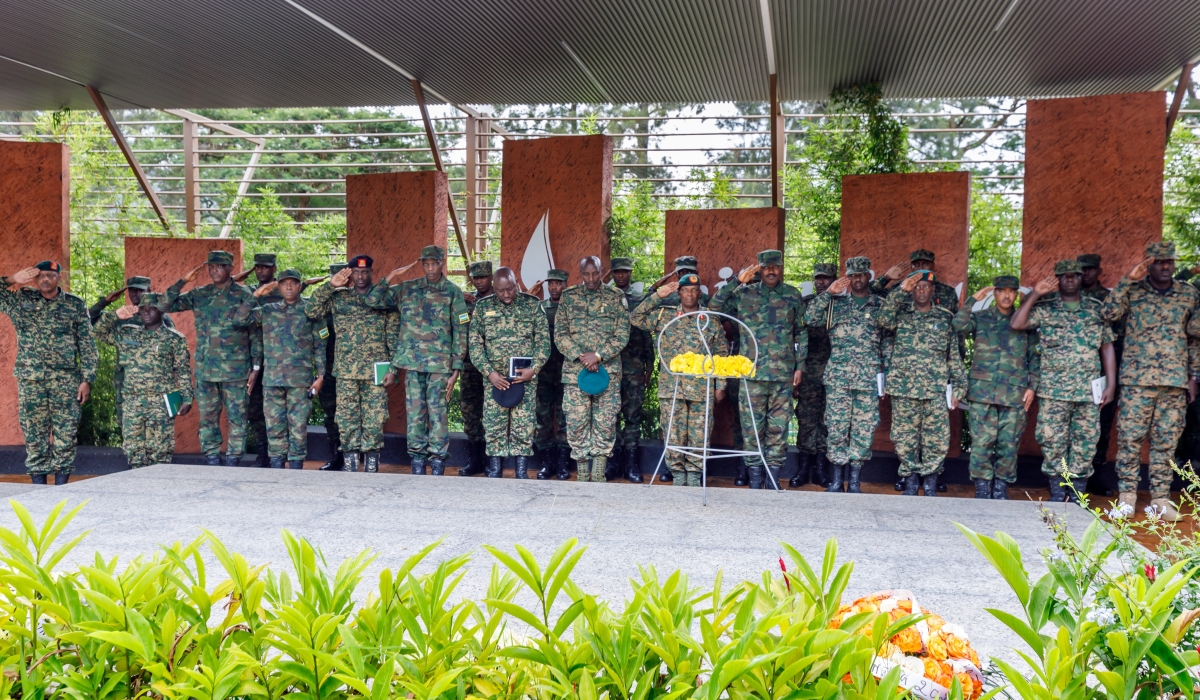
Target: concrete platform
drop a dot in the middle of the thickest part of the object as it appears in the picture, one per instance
(895, 542)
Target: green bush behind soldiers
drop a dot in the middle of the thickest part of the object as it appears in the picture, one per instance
(154, 361)
(1000, 386)
(133, 290)
(365, 336)
(430, 347)
(812, 437)
(925, 379)
(686, 425)
(293, 365)
(851, 375)
(1075, 343)
(591, 328)
(551, 439)
(471, 384)
(772, 310)
(509, 324)
(637, 360)
(55, 367)
(228, 358)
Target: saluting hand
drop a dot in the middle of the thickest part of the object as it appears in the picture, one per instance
(1139, 271)
(24, 277)
(239, 277)
(910, 283)
(668, 289)
(662, 280)
(193, 273)
(113, 296)
(341, 279)
(747, 274)
(839, 286)
(896, 271)
(1046, 285)
(395, 275)
(536, 289)
(982, 294)
(265, 289)
(315, 280)
(127, 312)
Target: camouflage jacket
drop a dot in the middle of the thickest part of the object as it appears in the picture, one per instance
(471, 312)
(153, 362)
(224, 351)
(923, 357)
(855, 340)
(652, 316)
(1005, 363)
(433, 323)
(1157, 350)
(53, 335)
(95, 311)
(501, 331)
(639, 351)
(365, 335)
(776, 318)
(1069, 342)
(293, 343)
(552, 370)
(818, 347)
(589, 321)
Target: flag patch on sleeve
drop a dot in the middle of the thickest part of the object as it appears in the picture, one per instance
(464, 318)
(323, 334)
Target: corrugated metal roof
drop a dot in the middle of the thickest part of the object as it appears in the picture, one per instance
(268, 53)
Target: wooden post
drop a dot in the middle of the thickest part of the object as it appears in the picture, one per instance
(437, 162)
(777, 139)
(115, 130)
(191, 175)
(472, 175)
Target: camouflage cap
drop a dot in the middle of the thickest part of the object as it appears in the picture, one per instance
(824, 270)
(150, 299)
(142, 283)
(1006, 282)
(860, 264)
(290, 275)
(621, 264)
(264, 259)
(557, 274)
(433, 252)
(480, 268)
(1088, 260)
(1066, 267)
(361, 262)
(686, 262)
(770, 257)
(49, 266)
(220, 257)
(690, 280)
(1161, 250)
(335, 268)
(920, 254)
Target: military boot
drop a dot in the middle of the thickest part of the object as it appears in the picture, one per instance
(941, 485)
(350, 464)
(295, 464)
(1058, 490)
(372, 463)
(547, 458)
(335, 462)
(562, 463)
(899, 485)
(929, 484)
(231, 460)
(522, 467)
(276, 462)
(600, 469)
(983, 488)
(756, 476)
(611, 469)
(999, 490)
(495, 468)
(475, 460)
(773, 482)
(912, 484)
(836, 472)
(680, 477)
(437, 466)
(37, 478)
(616, 461)
(743, 474)
(61, 478)
(803, 468)
(633, 465)
(212, 460)
(853, 483)
(692, 478)
(665, 476)
(417, 465)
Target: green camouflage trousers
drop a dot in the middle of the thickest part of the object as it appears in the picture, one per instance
(470, 399)
(811, 435)
(687, 430)
(48, 411)
(362, 409)
(551, 420)
(148, 432)
(1068, 430)
(995, 435)
(851, 417)
(1159, 411)
(733, 394)
(633, 393)
(921, 434)
(119, 397)
(211, 399)
(428, 417)
(772, 403)
(591, 421)
(286, 410)
(510, 430)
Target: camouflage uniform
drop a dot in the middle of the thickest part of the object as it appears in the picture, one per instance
(154, 363)
(471, 384)
(94, 313)
(635, 359)
(1158, 360)
(499, 332)
(225, 356)
(551, 420)
(597, 322)
(328, 393)
(688, 395)
(775, 315)
(922, 360)
(255, 416)
(56, 352)
(812, 437)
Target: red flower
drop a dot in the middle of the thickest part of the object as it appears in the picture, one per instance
(1150, 573)
(785, 578)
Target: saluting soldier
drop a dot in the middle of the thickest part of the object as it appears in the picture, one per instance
(133, 290)
(812, 437)
(636, 363)
(328, 393)
(264, 274)
(228, 357)
(155, 362)
(55, 367)
(471, 386)
(551, 440)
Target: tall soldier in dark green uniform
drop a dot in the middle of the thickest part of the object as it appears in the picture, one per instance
(811, 434)
(471, 386)
(328, 393)
(551, 439)
(133, 290)
(772, 310)
(264, 273)
(637, 361)
(1091, 286)
(1001, 386)
(228, 358)
(55, 367)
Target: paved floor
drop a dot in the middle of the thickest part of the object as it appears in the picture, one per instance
(895, 542)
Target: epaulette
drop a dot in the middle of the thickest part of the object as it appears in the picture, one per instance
(176, 332)
(943, 309)
(524, 294)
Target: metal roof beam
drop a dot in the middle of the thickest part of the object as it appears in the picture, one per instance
(122, 144)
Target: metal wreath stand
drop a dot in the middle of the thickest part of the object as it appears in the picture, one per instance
(702, 321)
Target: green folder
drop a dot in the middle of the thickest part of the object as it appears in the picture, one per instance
(381, 370)
(174, 402)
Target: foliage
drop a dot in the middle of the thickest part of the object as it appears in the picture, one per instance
(995, 242)
(1181, 194)
(263, 226)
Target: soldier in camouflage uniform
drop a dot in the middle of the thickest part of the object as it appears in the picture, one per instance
(773, 311)
(365, 336)
(1091, 287)
(293, 365)
(430, 349)
(551, 439)
(1075, 341)
(471, 384)
(228, 358)
(134, 288)
(688, 421)
(922, 361)
(264, 274)
(591, 328)
(636, 362)
(1158, 371)
(509, 324)
(55, 367)
(855, 361)
(155, 361)
(1000, 386)
(812, 437)
(328, 393)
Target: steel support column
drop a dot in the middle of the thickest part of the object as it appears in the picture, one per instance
(1181, 89)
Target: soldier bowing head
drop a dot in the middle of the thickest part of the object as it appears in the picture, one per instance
(505, 284)
(360, 272)
(589, 269)
(433, 259)
(771, 267)
(220, 266)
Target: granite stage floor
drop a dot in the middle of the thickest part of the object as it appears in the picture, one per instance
(895, 542)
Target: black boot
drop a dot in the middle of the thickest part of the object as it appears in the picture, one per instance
(836, 471)
(941, 486)
(1058, 492)
(912, 483)
(929, 484)
(475, 460)
(372, 463)
(853, 484)
(437, 466)
(546, 457)
(800, 478)
(616, 462)
(612, 469)
(633, 466)
(665, 476)
(522, 467)
(335, 463)
(773, 481)
(983, 488)
(417, 465)
(756, 477)
(562, 463)
(999, 490)
(899, 485)
(275, 462)
(231, 460)
(820, 471)
(212, 460)
(743, 475)
(495, 468)
(295, 464)
(37, 478)
(61, 478)
(350, 464)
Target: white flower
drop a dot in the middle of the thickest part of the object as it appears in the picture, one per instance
(913, 665)
(887, 605)
(1055, 556)
(1120, 511)
(1103, 617)
(956, 630)
(1152, 512)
